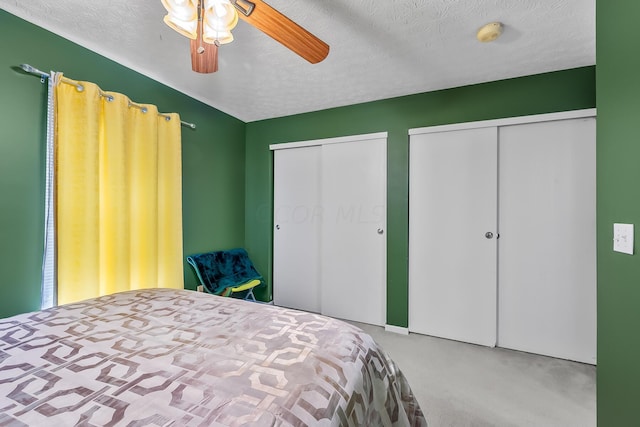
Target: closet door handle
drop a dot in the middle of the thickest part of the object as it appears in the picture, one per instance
(277, 226)
(488, 235)
(380, 231)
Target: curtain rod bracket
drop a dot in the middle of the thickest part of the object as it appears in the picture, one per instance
(33, 70)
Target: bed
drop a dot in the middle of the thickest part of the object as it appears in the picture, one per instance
(163, 357)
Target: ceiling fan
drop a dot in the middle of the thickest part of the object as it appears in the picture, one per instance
(208, 23)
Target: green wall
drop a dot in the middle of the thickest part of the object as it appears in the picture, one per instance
(544, 93)
(618, 180)
(213, 156)
(214, 161)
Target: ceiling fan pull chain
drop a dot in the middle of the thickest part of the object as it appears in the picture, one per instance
(244, 6)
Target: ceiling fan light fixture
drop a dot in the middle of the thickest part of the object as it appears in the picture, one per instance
(220, 17)
(217, 38)
(186, 28)
(182, 16)
(184, 10)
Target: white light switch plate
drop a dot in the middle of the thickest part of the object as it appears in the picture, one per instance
(623, 238)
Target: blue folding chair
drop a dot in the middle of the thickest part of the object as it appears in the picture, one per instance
(228, 273)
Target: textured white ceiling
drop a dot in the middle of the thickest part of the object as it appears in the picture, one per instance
(379, 48)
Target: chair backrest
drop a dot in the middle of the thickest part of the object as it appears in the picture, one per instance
(219, 270)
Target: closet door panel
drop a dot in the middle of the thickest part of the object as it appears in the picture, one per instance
(297, 224)
(547, 252)
(353, 242)
(452, 205)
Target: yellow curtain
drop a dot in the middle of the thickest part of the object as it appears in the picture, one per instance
(118, 194)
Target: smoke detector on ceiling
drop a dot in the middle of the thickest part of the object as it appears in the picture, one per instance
(490, 32)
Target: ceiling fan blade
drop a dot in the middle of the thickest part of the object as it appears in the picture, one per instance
(282, 29)
(204, 56)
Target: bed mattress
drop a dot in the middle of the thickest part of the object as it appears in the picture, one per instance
(163, 357)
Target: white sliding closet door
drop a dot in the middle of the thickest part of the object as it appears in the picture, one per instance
(329, 244)
(354, 181)
(297, 222)
(452, 261)
(547, 249)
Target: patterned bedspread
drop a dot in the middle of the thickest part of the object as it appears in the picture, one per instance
(180, 358)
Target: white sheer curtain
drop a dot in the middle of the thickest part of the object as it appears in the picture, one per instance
(48, 283)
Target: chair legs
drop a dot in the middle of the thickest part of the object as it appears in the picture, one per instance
(249, 296)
